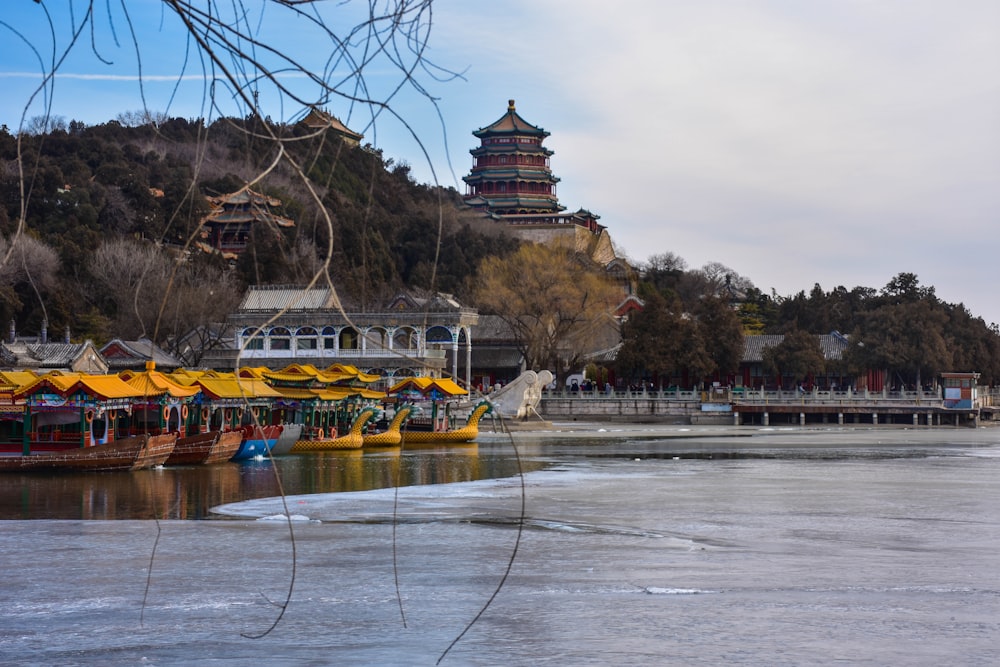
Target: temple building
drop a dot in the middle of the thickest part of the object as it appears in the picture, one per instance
(410, 336)
(510, 169)
(317, 119)
(512, 182)
(226, 228)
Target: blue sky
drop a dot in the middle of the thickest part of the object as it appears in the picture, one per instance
(837, 142)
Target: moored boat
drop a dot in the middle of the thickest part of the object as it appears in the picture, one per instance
(353, 439)
(205, 448)
(391, 436)
(467, 433)
(290, 434)
(256, 441)
(133, 453)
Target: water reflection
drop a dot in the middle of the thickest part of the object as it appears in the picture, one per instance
(189, 492)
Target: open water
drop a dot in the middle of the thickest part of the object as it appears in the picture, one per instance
(642, 546)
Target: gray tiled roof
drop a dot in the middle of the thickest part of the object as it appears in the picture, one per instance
(45, 355)
(291, 298)
(491, 328)
(833, 345)
(496, 357)
(142, 349)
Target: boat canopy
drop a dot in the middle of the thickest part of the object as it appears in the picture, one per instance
(428, 387)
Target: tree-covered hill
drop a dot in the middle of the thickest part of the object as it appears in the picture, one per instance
(137, 186)
(903, 329)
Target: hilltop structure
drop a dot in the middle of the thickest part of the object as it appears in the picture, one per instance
(226, 228)
(317, 119)
(512, 182)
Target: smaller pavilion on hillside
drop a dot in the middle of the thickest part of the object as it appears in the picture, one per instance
(317, 119)
(226, 228)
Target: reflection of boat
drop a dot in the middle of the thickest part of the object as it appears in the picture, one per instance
(390, 437)
(135, 453)
(352, 440)
(290, 434)
(257, 441)
(205, 448)
(467, 433)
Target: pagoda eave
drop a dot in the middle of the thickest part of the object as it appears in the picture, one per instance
(489, 174)
(512, 149)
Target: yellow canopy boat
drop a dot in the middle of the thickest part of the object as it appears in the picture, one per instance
(352, 440)
(391, 437)
(467, 433)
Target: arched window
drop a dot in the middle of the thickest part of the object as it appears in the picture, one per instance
(329, 338)
(306, 338)
(404, 338)
(280, 339)
(376, 339)
(252, 339)
(349, 339)
(439, 335)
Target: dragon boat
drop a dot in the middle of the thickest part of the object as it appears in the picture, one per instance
(353, 439)
(391, 436)
(467, 433)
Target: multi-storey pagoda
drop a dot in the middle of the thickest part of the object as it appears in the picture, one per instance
(511, 181)
(510, 170)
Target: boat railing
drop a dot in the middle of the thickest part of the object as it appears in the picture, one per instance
(55, 436)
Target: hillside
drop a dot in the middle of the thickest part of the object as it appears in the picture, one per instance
(86, 186)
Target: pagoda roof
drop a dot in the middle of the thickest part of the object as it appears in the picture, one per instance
(356, 373)
(334, 393)
(512, 149)
(229, 386)
(318, 119)
(301, 373)
(543, 205)
(244, 206)
(38, 355)
(510, 123)
(428, 387)
(123, 353)
(523, 173)
(12, 380)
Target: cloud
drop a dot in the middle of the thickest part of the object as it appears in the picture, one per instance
(832, 142)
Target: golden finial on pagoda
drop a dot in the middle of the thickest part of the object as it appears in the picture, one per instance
(510, 105)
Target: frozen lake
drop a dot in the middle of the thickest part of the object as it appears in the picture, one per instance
(639, 546)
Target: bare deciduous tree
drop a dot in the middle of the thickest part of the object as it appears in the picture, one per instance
(555, 303)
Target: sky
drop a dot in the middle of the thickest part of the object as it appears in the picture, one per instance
(830, 142)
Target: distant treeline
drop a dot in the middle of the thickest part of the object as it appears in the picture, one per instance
(902, 329)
